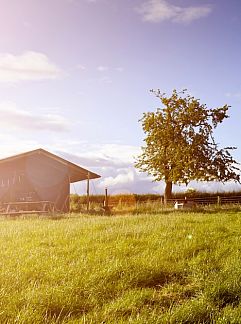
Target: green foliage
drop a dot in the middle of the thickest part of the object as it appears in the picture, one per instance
(172, 268)
(179, 144)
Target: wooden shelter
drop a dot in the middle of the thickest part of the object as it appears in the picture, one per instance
(38, 181)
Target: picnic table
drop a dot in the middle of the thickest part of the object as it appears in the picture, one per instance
(26, 207)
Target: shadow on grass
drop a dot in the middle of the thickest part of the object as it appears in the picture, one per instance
(225, 297)
(158, 279)
(57, 216)
(200, 210)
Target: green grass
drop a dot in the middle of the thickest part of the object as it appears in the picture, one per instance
(162, 268)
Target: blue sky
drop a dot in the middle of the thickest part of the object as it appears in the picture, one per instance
(75, 77)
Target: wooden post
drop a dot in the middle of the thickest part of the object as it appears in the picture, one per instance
(67, 203)
(106, 198)
(88, 191)
(219, 200)
(106, 203)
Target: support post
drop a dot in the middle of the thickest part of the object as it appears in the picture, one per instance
(88, 192)
(107, 209)
(219, 200)
(106, 198)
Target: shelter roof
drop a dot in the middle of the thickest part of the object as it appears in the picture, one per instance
(76, 173)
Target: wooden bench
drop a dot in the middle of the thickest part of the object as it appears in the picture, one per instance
(27, 207)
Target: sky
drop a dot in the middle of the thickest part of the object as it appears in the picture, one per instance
(75, 78)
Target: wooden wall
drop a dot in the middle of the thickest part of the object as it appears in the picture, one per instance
(35, 178)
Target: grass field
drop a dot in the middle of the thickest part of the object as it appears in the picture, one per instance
(166, 268)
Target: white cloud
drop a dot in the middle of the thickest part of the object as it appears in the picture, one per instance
(106, 79)
(102, 68)
(115, 164)
(215, 186)
(114, 156)
(124, 178)
(161, 10)
(120, 151)
(15, 118)
(31, 66)
(235, 95)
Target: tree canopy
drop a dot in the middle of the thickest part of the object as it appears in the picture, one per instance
(180, 145)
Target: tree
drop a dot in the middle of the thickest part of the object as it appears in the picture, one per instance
(180, 146)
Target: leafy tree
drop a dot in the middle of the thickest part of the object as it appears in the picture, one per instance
(179, 144)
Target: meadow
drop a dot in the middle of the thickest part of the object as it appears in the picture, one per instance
(169, 267)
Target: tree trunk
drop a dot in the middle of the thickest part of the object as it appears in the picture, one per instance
(168, 191)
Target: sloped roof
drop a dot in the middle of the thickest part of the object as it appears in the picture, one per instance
(76, 173)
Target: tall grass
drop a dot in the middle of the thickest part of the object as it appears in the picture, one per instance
(164, 268)
(137, 202)
(130, 198)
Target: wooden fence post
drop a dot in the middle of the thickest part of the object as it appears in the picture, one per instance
(219, 200)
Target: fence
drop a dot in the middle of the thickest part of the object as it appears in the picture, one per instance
(131, 203)
(213, 200)
(209, 200)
